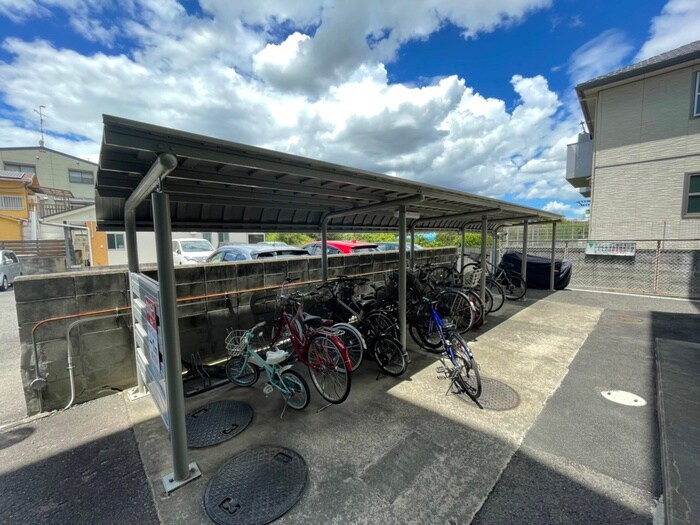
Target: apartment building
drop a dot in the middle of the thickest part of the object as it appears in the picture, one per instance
(640, 161)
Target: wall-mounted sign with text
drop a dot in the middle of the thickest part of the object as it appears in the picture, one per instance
(624, 249)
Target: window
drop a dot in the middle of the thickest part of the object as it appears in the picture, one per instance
(24, 168)
(11, 256)
(217, 257)
(115, 241)
(696, 109)
(11, 202)
(692, 195)
(81, 177)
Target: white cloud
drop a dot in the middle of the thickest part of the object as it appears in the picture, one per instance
(277, 93)
(603, 54)
(676, 26)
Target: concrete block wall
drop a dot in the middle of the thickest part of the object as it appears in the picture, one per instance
(36, 265)
(220, 297)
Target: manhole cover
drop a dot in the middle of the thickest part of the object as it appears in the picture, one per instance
(495, 395)
(216, 422)
(624, 398)
(629, 319)
(256, 486)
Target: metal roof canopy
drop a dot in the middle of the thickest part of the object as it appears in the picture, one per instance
(196, 182)
(224, 186)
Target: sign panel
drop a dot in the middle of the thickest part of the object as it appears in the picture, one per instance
(148, 340)
(624, 249)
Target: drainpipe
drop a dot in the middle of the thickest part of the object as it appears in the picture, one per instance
(69, 348)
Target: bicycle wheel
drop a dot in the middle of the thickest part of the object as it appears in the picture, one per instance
(390, 356)
(327, 368)
(478, 308)
(513, 287)
(469, 378)
(441, 276)
(423, 329)
(454, 307)
(300, 395)
(497, 293)
(353, 341)
(240, 372)
(379, 322)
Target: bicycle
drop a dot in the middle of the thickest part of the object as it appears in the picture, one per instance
(457, 360)
(319, 347)
(245, 362)
(379, 329)
(513, 285)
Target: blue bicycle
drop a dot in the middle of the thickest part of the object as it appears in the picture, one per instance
(457, 360)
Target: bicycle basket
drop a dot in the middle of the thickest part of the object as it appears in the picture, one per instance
(472, 279)
(236, 342)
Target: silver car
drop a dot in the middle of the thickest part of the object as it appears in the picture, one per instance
(9, 269)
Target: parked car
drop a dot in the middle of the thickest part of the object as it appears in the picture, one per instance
(251, 252)
(394, 246)
(340, 247)
(9, 269)
(191, 251)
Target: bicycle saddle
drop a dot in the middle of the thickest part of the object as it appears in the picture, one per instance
(313, 321)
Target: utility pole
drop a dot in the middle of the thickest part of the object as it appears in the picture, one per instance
(40, 111)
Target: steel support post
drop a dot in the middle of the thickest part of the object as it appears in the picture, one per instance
(523, 265)
(413, 245)
(324, 252)
(554, 247)
(171, 339)
(484, 234)
(461, 255)
(402, 275)
(132, 254)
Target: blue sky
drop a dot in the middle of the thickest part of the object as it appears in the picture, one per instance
(475, 96)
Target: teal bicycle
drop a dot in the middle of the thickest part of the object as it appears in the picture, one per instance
(246, 361)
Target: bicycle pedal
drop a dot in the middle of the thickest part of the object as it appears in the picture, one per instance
(442, 378)
(440, 369)
(268, 389)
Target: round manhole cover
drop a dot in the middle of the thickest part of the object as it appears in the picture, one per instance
(256, 486)
(217, 422)
(495, 395)
(624, 398)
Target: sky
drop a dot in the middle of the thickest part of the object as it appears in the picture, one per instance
(473, 95)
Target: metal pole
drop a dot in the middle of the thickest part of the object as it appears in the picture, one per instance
(523, 265)
(554, 246)
(402, 275)
(171, 334)
(484, 233)
(413, 245)
(461, 257)
(324, 252)
(132, 249)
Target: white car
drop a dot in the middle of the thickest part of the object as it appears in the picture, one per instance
(191, 251)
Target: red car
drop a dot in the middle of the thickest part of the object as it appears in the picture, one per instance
(340, 247)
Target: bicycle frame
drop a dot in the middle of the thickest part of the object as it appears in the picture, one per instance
(300, 342)
(440, 324)
(273, 372)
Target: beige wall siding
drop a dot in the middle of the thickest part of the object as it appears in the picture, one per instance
(52, 169)
(645, 142)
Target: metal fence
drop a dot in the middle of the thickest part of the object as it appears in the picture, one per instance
(659, 267)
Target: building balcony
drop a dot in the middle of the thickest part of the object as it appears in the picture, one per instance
(579, 162)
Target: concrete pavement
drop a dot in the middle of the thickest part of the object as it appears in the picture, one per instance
(397, 451)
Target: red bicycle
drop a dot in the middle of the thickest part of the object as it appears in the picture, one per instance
(319, 347)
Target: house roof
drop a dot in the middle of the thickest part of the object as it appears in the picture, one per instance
(43, 148)
(669, 59)
(225, 186)
(19, 176)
